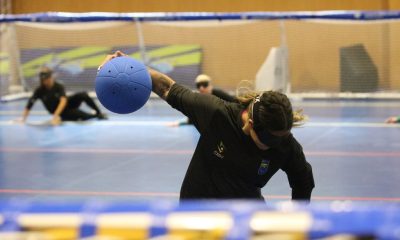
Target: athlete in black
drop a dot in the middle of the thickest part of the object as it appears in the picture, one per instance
(58, 104)
(241, 145)
(204, 86)
(227, 163)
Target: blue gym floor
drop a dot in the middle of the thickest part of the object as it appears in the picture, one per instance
(355, 156)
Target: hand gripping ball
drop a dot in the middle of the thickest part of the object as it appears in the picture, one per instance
(123, 85)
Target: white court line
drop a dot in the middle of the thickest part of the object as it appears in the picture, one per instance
(165, 123)
(332, 104)
(296, 104)
(351, 124)
(12, 113)
(91, 123)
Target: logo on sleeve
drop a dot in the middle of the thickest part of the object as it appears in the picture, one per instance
(220, 150)
(263, 167)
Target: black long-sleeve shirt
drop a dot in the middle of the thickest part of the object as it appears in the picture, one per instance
(223, 95)
(226, 162)
(219, 93)
(50, 97)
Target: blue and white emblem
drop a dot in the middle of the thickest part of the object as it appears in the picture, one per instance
(263, 167)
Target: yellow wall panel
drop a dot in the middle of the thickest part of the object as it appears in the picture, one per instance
(393, 4)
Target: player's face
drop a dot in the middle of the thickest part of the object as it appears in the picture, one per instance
(257, 141)
(48, 82)
(204, 87)
(272, 139)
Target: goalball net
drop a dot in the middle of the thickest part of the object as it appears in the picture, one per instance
(331, 52)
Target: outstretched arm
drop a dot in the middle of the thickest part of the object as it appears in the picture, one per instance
(60, 108)
(161, 83)
(393, 119)
(29, 105)
(199, 108)
(24, 115)
(299, 173)
(302, 184)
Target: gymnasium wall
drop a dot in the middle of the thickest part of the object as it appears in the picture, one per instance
(29, 6)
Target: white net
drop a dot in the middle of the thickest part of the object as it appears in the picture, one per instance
(320, 56)
(4, 62)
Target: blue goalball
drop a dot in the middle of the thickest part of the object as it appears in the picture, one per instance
(123, 85)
